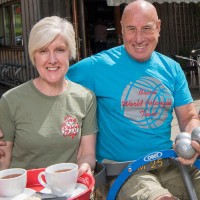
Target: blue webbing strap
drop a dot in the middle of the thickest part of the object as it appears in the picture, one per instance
(124, 175)
(197, 164)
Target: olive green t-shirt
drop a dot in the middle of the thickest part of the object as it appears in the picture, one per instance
(46, 129)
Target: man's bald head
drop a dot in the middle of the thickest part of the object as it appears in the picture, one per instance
(141, 6)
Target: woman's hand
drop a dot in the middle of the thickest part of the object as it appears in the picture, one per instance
(5, 152)
(84, 167)
(191, 161)
(2, 143)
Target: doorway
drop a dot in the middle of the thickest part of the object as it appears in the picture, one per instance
(95, 11)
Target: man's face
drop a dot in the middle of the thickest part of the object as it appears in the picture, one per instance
(140, 32)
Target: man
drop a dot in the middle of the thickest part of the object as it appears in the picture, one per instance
(137, 90)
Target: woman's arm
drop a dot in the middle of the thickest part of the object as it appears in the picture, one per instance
(86, 159)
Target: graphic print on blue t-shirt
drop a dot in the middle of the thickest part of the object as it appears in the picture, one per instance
(146, 102)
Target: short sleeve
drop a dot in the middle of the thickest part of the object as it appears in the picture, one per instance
(182, 93)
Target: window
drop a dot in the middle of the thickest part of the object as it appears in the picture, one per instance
(11, 25)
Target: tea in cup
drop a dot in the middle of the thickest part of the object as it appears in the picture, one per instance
(60, 178)
(12, 182)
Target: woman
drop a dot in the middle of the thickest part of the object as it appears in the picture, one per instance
(49, 120)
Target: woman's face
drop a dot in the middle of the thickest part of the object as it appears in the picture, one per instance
(52, 61)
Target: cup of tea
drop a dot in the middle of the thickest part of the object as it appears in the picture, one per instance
(12, 182)
(60, 178)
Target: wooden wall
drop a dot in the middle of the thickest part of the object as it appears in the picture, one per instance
(32, 12)
(180, 27)
(55, 7)
(30, 15)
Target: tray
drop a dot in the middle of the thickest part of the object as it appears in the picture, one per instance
(86, 179)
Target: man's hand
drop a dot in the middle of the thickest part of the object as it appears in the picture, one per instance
(191, 161)
(2, 143)
(196, 146)
(188, 161)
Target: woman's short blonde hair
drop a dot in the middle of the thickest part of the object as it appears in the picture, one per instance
(46, 30)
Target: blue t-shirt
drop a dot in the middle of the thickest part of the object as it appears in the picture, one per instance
(135, 101)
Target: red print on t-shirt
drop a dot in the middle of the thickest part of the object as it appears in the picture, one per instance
(70, 127)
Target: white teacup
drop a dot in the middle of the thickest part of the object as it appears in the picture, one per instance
(60, 178)
(12, 182)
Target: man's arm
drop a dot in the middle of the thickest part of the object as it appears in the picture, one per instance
(187, 117)
(188, 120)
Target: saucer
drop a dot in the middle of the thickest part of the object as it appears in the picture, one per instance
(27, 193)
(80, 188)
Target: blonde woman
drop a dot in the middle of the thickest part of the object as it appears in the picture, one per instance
(49, 119)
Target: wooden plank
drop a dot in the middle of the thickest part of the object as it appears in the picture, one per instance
(172, 32)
